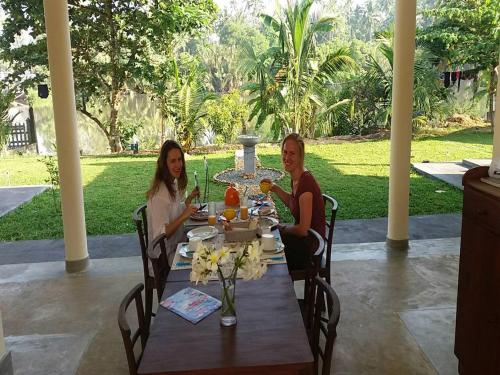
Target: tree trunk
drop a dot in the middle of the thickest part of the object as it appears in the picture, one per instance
(114, 139)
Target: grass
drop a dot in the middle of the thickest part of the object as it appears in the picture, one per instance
(355, 173)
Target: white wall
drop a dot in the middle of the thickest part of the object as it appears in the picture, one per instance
(134, 107)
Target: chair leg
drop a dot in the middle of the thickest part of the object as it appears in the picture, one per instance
(149, 305)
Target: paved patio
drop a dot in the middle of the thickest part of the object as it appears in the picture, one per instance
(398, 308)
(398, 311)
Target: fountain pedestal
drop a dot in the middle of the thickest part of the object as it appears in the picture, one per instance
(248, 142)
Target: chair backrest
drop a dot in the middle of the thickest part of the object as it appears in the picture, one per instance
(324, 318)
(332, 205)
(316, 247)
(141, 224)
(129, 338)
(161, 268)
(312, 270)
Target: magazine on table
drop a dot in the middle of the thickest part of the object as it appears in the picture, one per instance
(191, 304)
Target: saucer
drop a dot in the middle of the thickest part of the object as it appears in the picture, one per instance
(279, 247)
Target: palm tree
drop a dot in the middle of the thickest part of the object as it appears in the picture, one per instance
(290, 79)
(185, 102)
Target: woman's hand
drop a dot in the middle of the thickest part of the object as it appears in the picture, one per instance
(269, 182)
(190, 209)
(193, 194)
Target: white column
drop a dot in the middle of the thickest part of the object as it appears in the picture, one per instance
(496, 135)
(401, 127)
(63, 99)
(2, 340)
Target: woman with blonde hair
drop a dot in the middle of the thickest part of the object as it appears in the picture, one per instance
(304, 201)
(165, 211)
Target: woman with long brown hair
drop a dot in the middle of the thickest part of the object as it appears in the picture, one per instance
(304, 201)
(166, 212)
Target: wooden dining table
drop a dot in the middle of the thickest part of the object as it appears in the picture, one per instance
(269, 337)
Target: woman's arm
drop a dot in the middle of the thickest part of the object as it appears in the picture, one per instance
(305, 204)
(172, 227)
(283, 195)
(192, 195)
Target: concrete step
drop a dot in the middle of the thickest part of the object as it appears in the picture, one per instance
(449, 172)
(472, 163)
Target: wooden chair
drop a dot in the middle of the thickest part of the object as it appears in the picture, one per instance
(141, 224)
(142, 332)
(161, 268)
(317, 248)
(323, 319)
(309, 273)
(324, 269)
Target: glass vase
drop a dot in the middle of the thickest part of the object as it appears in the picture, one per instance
(228, 309)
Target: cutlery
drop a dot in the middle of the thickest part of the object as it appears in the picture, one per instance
(202, 207)
(196, 185)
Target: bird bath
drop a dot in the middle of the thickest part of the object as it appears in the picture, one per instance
(248, 142)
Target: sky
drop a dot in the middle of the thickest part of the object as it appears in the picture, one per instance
(271, 4)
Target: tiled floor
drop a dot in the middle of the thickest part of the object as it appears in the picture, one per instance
(397, 311)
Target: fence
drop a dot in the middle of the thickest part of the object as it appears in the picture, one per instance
(22, 134)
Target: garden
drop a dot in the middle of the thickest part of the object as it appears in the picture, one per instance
(209, 72)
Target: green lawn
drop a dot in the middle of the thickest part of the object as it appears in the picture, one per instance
(356, 174)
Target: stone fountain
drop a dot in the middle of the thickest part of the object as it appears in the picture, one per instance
(251, 174)
(248, 142)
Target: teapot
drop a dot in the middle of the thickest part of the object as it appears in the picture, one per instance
(231, 196)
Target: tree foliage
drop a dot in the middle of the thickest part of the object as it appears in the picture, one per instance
(227, 116)
(466, 32)
(114, 44)
(290, 80)
(6, 98)
(185, 102)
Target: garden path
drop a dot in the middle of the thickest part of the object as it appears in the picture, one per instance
(450, 172)
(12, 197)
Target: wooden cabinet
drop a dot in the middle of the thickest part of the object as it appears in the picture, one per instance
(477, 332)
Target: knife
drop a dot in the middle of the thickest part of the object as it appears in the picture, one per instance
(196, 185)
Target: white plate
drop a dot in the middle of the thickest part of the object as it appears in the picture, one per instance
(185, 252)
(278, 249)
(254, 211)
(268, 222)
(204, 232)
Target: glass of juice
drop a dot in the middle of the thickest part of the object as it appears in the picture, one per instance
(244, 209)
(211, 214)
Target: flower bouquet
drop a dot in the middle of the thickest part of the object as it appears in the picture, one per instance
(227, 264)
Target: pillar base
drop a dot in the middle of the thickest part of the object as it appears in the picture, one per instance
(80, 265)
(397, 244)
(6, 364)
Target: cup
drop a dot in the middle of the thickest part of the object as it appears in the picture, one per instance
(194, 243)
(265, 186)
(211, 208)
(266, 230)
(244, 209)
(212, 216)
(212, 220)
(268, 242)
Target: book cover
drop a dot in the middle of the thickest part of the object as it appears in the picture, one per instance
(492, 181)
(191, 304)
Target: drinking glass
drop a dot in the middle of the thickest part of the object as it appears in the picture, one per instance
(244, 209)
(212, 220)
